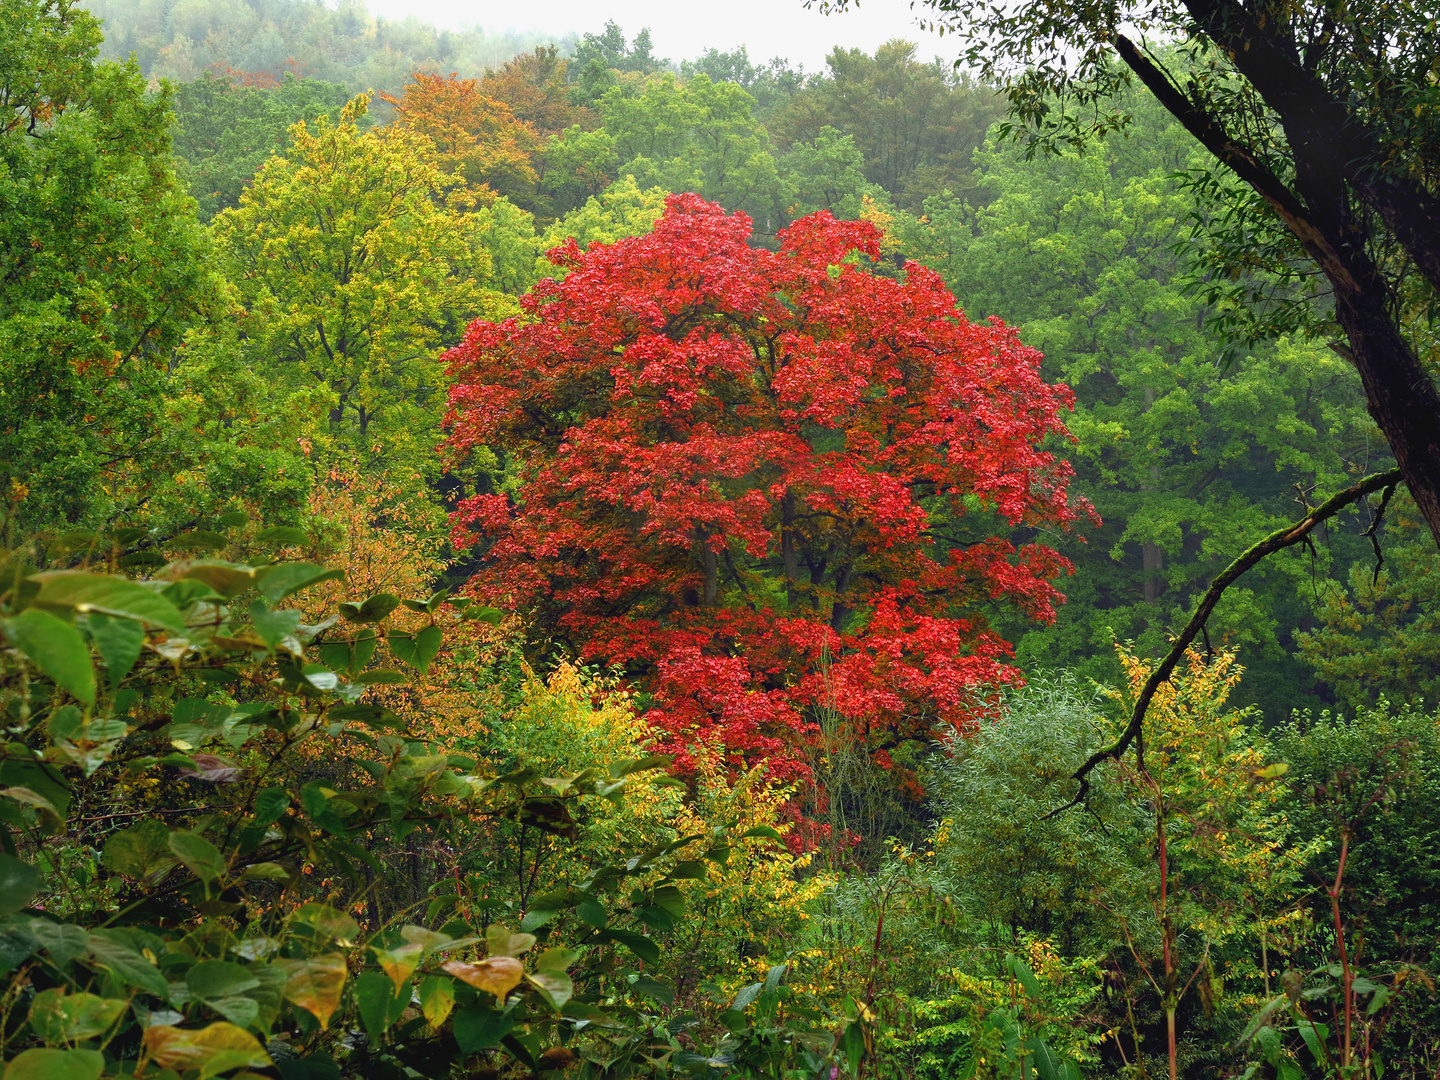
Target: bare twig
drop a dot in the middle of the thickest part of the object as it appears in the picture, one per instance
(1288, 536)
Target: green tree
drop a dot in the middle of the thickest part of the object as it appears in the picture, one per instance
(105, 268)
(1186, 461)
(354, 267)
(225, 131)
(698, 136)
(915, 123)
(1323, 138)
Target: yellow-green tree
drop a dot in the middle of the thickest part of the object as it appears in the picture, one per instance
(354, 270)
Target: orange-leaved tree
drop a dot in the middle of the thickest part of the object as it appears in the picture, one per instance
(477, 138)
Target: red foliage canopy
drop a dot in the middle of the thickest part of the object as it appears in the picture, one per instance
(745, 476)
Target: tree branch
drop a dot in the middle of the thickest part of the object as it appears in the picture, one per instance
(1288, 536)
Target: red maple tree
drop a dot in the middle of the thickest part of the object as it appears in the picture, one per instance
(764, 482)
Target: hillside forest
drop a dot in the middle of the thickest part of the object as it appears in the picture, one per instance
(526, 558)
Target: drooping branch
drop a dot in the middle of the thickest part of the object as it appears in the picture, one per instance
(1282, 538)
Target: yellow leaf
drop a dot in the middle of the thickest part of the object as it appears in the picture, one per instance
(213, 1050)
(399, 963)
(497, 975)
(314, 984)
(437, 998)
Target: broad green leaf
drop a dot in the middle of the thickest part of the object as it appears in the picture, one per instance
(642, 946)
(479, 1028)
(273, 627)
(108, 595)
(139, 851)
(198, 540)
(219, 978)
(655, 990)
(215, 1049)
(417, 650)
(63, 941)
(592, 913)
(314, 985)
(327, 923)
(56, 648)
(118, 641)
(56, 1016)
(199, 855)
(270, 805)
(381, 1002)
(51, 1064)
(378, 606)
(554, 986)
(19, 882)
(226, 578)
(111, 952)
(280, 580)
(283, 534)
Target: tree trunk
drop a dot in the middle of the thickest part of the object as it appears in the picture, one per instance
(1400, 395)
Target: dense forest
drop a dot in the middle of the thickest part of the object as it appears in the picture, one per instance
(525, 557)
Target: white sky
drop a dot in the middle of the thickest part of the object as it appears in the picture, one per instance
(682, 29)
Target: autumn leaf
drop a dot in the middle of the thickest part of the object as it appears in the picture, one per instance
(497, 975)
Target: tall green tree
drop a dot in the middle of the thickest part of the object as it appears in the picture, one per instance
(354, 266)
(104, 269)
(224, 131)
(698, 136)
(915, 123)
(1187, 461)
(1320, 124)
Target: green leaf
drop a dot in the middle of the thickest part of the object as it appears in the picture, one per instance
(199, 855)
(654, 990)
(437, 998)
(62, 941)
(287, 535)
(108, 595)
(479, 1028)
(270, 806)
(642, 946)
(139, 851)
(118, 641)
(380, 1004)
(56, 648)
(235, 519)
(273, 627)
(198, 540)
(50, 1064)
(109, 951)
(417, 650)
(56, 1016)
(326, 922)
(592, 913)
(378, 607)
(211, 979)
(280, 580)
(226, 578)
(764, 831)
(483, 614)
(19, 882)
(1026, 977)
(852, 1045)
